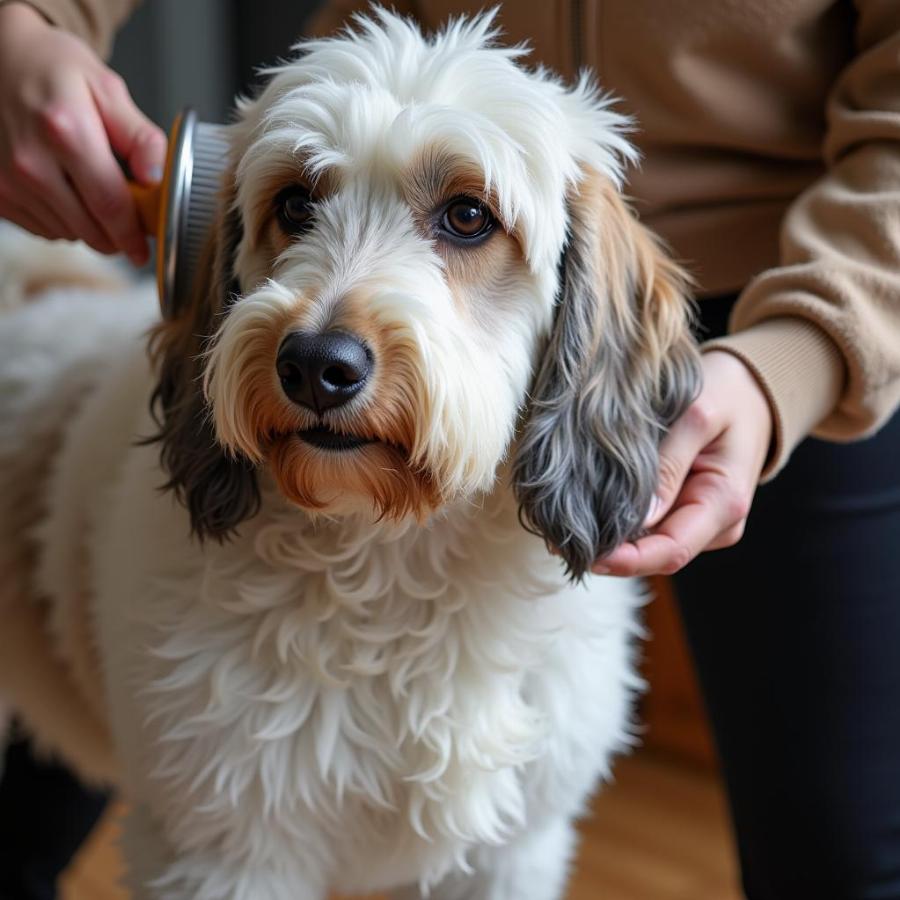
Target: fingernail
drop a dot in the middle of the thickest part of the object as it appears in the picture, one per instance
(154, 174)
(655, 506)
(601, 570)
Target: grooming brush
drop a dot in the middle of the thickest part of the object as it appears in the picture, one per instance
(179, 211)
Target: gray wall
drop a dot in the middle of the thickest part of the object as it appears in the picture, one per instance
(200, 53)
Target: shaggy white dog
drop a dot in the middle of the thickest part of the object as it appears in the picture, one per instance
(285, 578)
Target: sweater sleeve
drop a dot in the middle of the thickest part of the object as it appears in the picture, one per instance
(821, 332)
(94, 21)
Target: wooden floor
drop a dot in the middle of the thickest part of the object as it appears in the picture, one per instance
(658, 833)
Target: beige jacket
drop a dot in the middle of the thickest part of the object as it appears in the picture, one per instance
(770, 132)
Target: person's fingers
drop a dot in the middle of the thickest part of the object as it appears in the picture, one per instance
(137, 140)
(56, 204)
(93, 170)
(708, 508)
(75, 215)
(28, 188)
(693, 431)
(59, 102)
(22, 217)
(729, 537)
(147, 155)
(663, 552)
(32, 219)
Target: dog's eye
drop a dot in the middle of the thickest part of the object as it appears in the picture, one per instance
(295, 209)
(467, 218)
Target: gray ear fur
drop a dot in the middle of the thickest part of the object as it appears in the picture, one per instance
(619, 368)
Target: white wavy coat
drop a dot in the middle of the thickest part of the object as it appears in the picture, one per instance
(320, 703)
(347, 706)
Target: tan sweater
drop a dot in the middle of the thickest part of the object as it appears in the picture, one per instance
(771, 140)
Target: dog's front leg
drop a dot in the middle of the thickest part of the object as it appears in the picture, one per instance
(158, 872)
(533, 867)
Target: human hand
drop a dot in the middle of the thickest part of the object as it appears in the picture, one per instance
(63, 115)
(710, 463)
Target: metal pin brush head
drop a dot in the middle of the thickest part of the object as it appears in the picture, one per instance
(197, 155)
(179, 211)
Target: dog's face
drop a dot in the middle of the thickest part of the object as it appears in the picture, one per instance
(423, 265)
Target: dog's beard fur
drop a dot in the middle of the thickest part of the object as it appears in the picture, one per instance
(389, 476)
(457, 332)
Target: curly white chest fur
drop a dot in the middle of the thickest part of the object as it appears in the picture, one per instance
(364, 704)
(374, 702)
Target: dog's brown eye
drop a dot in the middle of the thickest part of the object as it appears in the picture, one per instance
(295, 209)
(467, 218)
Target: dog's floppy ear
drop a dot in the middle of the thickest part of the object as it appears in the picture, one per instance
(218, 488)
(620, 366)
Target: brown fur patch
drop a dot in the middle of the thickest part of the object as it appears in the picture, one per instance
(315, 478)
(646, 289)
(390, 407)
(478, 273)
(265, 234)
(479, 276)
(266, 410)
(434, 177)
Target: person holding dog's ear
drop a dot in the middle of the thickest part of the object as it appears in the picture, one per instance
(771, 141)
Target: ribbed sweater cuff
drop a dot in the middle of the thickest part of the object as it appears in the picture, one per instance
(801, 371)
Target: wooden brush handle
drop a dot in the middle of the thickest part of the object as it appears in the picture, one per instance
(148, 199)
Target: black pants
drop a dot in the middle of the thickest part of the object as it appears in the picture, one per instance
(45, 815)
(796, 635)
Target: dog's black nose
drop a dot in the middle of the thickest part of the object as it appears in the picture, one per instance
(322, 371)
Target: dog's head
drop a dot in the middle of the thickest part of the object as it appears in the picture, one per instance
(423, 267)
